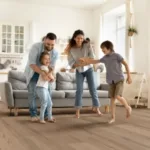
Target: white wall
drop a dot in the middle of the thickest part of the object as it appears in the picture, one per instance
(141, 22)
(41, 19)
(97, 20)
(109, 27)
(141, 40)
(148, 12)
(97, 30)
(141, 51)
(63, 21)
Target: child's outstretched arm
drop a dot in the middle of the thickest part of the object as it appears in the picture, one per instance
(129, 80)
(87, 61)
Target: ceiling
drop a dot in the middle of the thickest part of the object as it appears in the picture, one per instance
(84, 4)
(116, 11)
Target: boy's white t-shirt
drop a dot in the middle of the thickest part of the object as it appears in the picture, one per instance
(41, 82)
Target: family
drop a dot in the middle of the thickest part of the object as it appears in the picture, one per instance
(40, 69)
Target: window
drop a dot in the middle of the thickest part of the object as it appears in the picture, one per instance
(6, 38)
(12, 39)
(114, 28)
(19, 39)
(120, 35)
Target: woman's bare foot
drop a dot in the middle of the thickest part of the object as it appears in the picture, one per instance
(96, 109)
(111, 121)
(129, 111)
(77, 113)
(53, 120)
(42, 122)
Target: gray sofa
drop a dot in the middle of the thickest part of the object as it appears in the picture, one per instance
(63, 91)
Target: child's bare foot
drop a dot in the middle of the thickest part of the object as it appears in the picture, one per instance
(34, 119)
(97, 111)
(53, 120)
(111, 121)
(129, 111)
(42, 122)
(77, 114)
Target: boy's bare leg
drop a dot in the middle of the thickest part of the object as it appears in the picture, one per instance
(113, 110)
(124, 102)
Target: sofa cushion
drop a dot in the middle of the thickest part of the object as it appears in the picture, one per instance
(24, 94)
(62, 85)
(20, 94)
(67, 81)
(104, 87)
(58, 94)
(86, 94)
(53, 85)
(17, 80)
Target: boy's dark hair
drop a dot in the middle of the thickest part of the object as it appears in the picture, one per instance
(51, 36)
(109, 45)
(42, 55)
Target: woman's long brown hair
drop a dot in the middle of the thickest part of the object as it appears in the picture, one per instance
(72, 42)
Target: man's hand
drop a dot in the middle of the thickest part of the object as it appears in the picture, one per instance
(63, 70)
(45, 76)
(51, 77)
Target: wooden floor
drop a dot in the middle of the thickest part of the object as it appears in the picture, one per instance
(88, 133)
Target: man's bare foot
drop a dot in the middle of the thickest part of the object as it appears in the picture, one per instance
(97, 111)
(53, 120)
(129, 111)
(42, 122)
(111, 121)
(34, 119)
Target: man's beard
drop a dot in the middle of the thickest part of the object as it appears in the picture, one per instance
(47, 49)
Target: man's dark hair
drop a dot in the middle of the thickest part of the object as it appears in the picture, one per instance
(51, 36)
(109, 45)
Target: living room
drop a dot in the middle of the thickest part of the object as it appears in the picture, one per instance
(24, 23)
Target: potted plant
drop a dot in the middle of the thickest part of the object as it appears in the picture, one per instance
(131, 31)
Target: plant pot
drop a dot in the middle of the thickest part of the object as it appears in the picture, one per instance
(130, 33)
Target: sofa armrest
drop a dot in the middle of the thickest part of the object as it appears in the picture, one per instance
(9, 95)
(104, 87)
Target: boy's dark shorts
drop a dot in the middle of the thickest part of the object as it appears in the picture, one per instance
(116, 89)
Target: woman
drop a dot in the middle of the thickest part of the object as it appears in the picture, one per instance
(78, 48)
